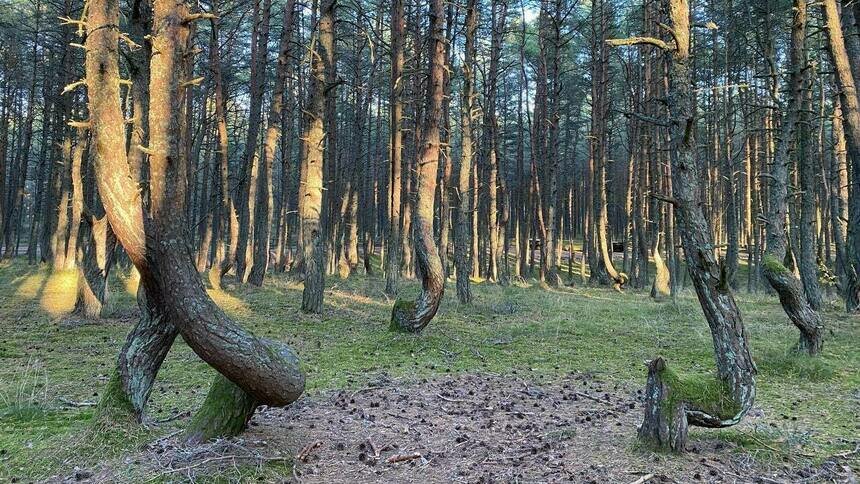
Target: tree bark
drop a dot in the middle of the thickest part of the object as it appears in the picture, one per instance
(393, 248)
(673, 402)
(154, 239)
(463, 230)
(783, 281)
(96, 259)
(263, 206)
(415, 316)
(848, 95)
(314, 145)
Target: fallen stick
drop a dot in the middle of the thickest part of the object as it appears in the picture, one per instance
(643, 479)
(374, 448)
(72, 403)
(306, 450)
(403, 457)
(452, 400)
(590, 397)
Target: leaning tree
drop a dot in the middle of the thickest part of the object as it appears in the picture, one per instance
(673, 401)
(251, 371)
(783, 281)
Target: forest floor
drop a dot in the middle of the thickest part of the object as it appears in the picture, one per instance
(526, 385)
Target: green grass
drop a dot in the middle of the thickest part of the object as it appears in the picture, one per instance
(809, 404)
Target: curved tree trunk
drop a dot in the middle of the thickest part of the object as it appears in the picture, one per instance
(96, 259)
(415, 316)
(155, 240)
(789, 288)
(673, 402)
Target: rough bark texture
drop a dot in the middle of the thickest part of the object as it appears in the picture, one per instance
(415, 316)
(138, 363)
(227, 408)
(393, 248)
(462, 230)
(672, 403)
(155, 240)
(313, 255)
(263, 206)
(848, 96)
(789, 288)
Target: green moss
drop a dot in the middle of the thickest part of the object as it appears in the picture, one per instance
(224, 413)
(403, 310)
(773, 265)
(702, 392)
(115, 404)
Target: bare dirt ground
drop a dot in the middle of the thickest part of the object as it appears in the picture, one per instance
(466, 428)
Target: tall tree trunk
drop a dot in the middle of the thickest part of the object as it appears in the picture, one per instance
(314, 145)
(226, 229)
(783, 281)
(393, 249)
(415, 316)
(19, 175)
(463, 229)
(263, 206)
(848, 95)
(670, 404)
(806, 162)
(249, 172)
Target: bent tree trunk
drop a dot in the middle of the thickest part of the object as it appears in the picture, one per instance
(227, 408)
(154, 240)
(789, 288)
(96, 261)
(673, 402)
(415, 316)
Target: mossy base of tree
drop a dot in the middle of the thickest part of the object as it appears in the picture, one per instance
(115, 405)
(401, 314)
(674, 401)
(795, 304)
(224, 413)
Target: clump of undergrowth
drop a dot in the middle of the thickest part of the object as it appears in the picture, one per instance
(26, 398)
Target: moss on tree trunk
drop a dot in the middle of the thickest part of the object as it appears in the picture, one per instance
(224, 413)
